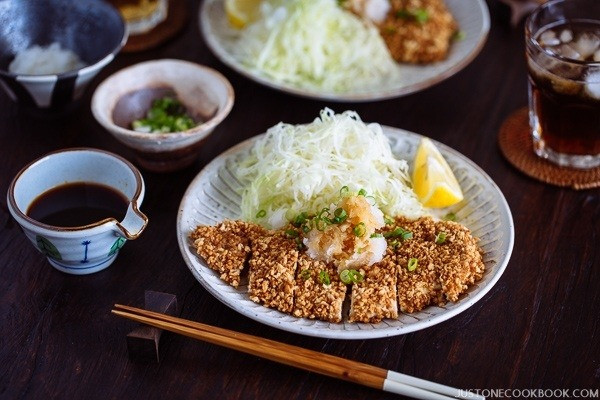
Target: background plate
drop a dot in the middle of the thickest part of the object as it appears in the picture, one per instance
(473, 19)
(215, 195)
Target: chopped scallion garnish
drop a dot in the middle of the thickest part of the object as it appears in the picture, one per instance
(291, 233)
(360, 229)
(388, 220)
(399, 233)
(344, 191)
(362, 192)
(305, 274)
(300, 219)
(450, 217)
(339, 215)
(440, 238)
(324, 277)
(261, 214)
(376, 235)
(348, 276)
(412, 264)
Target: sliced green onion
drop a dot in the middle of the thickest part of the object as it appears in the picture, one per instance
(291, 233)
(339, 215)
(388, 220)
(306, 228)
(360, 229)
(324, 277)
(412, 264)
(440, 238)
(344, 191)
(300, 219)
(348, 276)
(362, 192)
(399, 232)
(299, 243)
(375, 235)
(345, 276)
(394, 243)
(261, 214)
(459, 35)
(450, 217)
(305, 274)
(421, 15)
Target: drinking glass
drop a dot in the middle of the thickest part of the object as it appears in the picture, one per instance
(562, 40)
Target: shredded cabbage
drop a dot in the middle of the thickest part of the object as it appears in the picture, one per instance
(301, 168)
(315, 44)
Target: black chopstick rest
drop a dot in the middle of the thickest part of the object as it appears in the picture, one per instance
(143, 341)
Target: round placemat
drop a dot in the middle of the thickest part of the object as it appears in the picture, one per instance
(176, 19)
(517, 146)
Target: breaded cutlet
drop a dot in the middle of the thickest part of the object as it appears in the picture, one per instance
(271, 276)
(418, 31)
(313, 298)
(443, 272)
(225, 247)
(374, 298)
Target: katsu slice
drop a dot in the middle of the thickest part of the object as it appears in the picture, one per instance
(272, 271)
(374, 298)
(448, 261)
(418, 31)
(225, 247)
(314, 298)
(461, 259)
(420, 287)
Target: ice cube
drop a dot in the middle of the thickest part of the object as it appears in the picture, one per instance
(592, 84)
(566, 36)
(568, 51)
(586, 44)
(547, 35)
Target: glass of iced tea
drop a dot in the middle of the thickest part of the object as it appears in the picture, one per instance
(563, 57)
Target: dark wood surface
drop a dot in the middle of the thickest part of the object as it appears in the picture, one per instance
(539, 326)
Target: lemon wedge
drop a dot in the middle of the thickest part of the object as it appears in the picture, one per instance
(434, 182)
(241, 12)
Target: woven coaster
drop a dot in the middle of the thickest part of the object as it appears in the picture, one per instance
(517, 146)
(176, 19)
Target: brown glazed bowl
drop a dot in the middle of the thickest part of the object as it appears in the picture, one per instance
(126, 96)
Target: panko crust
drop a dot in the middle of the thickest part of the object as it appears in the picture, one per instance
(412, 41)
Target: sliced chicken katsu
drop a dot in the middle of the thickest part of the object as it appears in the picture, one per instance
(418, 31)
(225, 247)
(272, 271)
(319, 293)
(374, 298)
(443, 270)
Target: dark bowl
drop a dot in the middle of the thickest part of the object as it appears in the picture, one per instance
(92, 29)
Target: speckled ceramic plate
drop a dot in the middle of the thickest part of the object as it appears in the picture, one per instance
(215, 195)
(472, 16)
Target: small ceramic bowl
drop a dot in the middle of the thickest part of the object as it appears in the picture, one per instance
(81, 249)
(92, 29)
(128, 94)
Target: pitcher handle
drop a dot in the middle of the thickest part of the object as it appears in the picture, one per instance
(134, 222)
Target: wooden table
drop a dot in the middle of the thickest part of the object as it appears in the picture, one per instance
(538, 328)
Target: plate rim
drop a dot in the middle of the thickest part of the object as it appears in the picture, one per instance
(384, 94)
(182, 239)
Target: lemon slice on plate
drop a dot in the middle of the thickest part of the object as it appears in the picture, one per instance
(434, 182)
(241, 12)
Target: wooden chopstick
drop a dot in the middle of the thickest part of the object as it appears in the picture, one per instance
(309, 360)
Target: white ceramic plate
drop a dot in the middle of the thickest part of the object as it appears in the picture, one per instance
(472, 16)
(214, 195)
